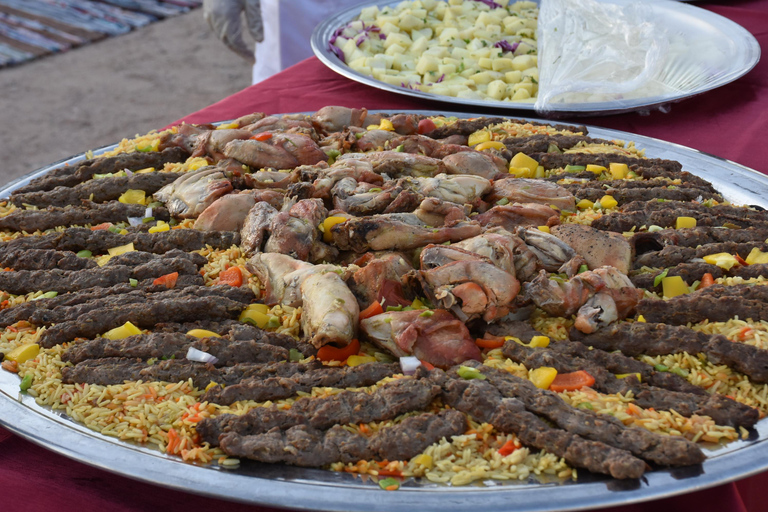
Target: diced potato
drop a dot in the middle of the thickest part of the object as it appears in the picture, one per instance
(497, 89)
(522, 62)
(482, 77)
(485, 63)
(513, 77)
(521, 94)
(502, 64)
(427, 63)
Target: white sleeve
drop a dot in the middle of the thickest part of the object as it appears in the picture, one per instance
(268, 52)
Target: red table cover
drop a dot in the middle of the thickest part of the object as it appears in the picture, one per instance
(730, 122)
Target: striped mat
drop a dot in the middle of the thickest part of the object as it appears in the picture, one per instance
(30, 29)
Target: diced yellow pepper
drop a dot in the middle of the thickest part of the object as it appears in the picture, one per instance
(386, 124)
(228, 126)
(417, 304)
(132, 196)
(597, 169)
(619, 171)
(121, 249)
(520, 172)
(160, 227)
(539, 341)
(641, 318)
(540, 172)
(146, 170)
(542, 377)
(356, 360)
(203, 333)
(685, 222)
(480, 136)
(523, 160)
(756, 256)
(544, 229)
(145, 146)
(102, 260)
(608, 202)
(490, 144)
(210, 385)
(721, 259)
(23, 353)
(328, 223)
(261, 308)
(625, 375)
(196, 163)
(673, 286)
(254, 317)
(125, 330)
(424, 460)
(585, 204)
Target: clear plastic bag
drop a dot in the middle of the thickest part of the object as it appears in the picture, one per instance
(612, 53)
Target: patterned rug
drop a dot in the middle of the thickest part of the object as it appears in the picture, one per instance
(30, 29)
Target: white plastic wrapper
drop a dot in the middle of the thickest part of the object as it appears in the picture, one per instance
(612, 53)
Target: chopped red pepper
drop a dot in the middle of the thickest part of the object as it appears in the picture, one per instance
(426, 126)
(103, 225)
(427, 365)
(740, 260)
(509, 447)
(331, 353)
(262, 136)
(706, 280)
(169, 280)
(372, 310)
(493, 342)
(571, 381)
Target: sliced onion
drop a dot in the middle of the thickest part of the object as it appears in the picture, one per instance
(135, 221)
(148, 212)
(202, 357)
(409, 364)
(128, 172)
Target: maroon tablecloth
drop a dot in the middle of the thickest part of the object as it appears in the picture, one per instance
(731, 122)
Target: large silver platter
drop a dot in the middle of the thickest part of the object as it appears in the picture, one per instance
(685, 21)
(309, 489)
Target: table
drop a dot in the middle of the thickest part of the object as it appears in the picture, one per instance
(730, 122)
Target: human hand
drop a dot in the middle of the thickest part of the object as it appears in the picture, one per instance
(224, 18)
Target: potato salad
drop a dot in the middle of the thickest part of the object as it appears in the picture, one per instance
(464, 48)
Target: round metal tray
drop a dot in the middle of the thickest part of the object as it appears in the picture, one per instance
(686, 21)
(311, 489)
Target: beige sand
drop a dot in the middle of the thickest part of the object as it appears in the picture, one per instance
(97, 94)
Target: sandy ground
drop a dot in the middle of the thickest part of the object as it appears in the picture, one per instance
(96, 95)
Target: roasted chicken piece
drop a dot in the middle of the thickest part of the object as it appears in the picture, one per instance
(598, 248)
(281, 151)
(470, 286)
(185, 137)
(211, 143)
(432, 222)
(294, 232)
(434, 336)
(282, 276)
(552, 253)
(523, 190)
(330, 313)
(297, 123)
(511, 216)
(374, 140)
(505, 250)
(598, 296)
(188, 196)
(381, 280)
(477, 163)
(227, 213)
(334, 119)
(256, 227)
(324, 179)
(270, 179)
(424, 145)
(458, 188)
(396, 164)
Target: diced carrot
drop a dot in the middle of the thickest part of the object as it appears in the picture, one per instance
(509, 447)
(262, 136)
(103, 225)
(571, 381)
(168, 280)
(232, 276)
(497, 342)
(634, 410)
(173, 441)
(706, 280)
(10, 366)
(331, 353)
(372, 310)
(745, 332)
(364, 428)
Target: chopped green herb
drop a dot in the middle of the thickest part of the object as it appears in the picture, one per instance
(134, 282)
(427, 314)
(146, 220)
(574, 168)
(583, 268)
(400, 148)
(374, 189)
(680, 371)
(113, 229)
(395, 308)
(661, 367)
(85, 253)
(502, 201)
(585, 405)
(389, 484)
(273, 322)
